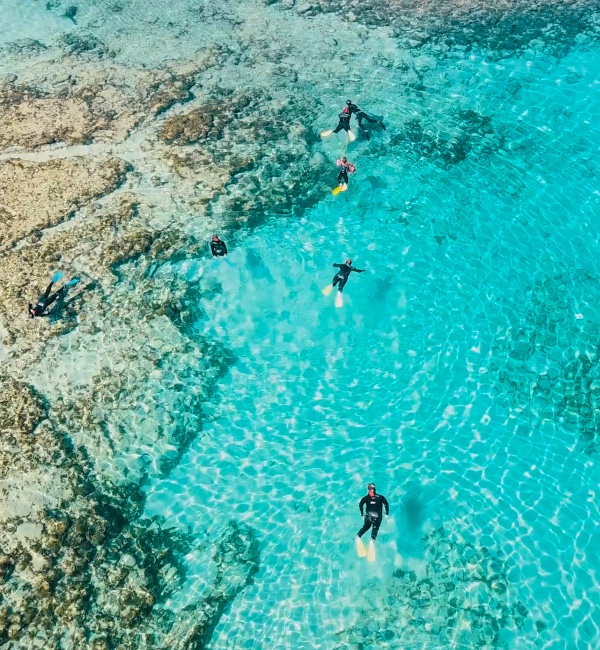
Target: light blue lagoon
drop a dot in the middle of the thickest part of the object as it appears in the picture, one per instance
(461, 375)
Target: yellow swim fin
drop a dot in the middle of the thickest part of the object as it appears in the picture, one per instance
(326, 134)
(371, 552)
(327, 290)
(344, 188)
(351, 136)
(339, 301)
(336, 190)
(360, 547)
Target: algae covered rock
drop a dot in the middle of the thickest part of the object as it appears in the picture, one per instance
(34, 196)
(463, 598)
(208, 121)
(21, 408)
(84, 100)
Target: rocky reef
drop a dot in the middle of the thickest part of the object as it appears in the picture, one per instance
(547, 367)
(508, 29)
(36, 196)
(462, 599)
(90, 102)
(102, 166)
(79, 568)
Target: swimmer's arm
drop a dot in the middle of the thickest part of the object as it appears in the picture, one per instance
(361, 505)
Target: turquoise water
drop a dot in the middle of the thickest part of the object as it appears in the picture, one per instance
(461, 373)
(445, 378)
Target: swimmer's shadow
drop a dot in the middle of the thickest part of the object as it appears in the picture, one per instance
(64, 311)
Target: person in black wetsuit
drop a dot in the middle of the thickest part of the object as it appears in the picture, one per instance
(218, 247)
(341, 277)
(345, 168)
(45, 300)
(374, 504)
(360, 116)
(344, 121)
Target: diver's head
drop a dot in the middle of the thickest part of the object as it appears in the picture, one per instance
(215, 238)
(344, 159)
(349, 262)
(348, 102)
(371, 488)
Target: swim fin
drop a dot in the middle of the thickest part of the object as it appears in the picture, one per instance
(336, 190)
(57, 276)
(327, 290)
(360, 547)
(371, 552)
(351, 136)
(72, 283)
(339, 301)
(344, 188)
(326, 134)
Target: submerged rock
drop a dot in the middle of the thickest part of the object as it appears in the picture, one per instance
(457, 601)
(85, 102)
(34, 196)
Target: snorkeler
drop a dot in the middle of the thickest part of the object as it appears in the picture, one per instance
(218, 247)
(374, 504)
(340, 279)
(360, 116)
(344, 123)
(45, 300)
(346, 168)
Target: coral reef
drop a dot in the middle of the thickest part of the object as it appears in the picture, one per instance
(463, 600)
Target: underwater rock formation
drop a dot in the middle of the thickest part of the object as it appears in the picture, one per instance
(34, 196)
(471, 133)
(463, 600)
(84, 101)
(506, 29)
(78, 567)
(547, 366)
(255, 156)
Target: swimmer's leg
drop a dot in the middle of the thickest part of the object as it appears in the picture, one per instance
(329, 288)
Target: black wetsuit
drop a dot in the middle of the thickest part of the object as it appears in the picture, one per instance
(341, 277)
(360, 116)
(344, 122)
(44, 301)
(218, 248)
(374, 513)
(343, 175)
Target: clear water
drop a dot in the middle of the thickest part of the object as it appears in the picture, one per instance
(425, 381)
(460, 374)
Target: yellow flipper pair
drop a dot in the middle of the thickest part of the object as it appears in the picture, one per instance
(339, 301)
(340, 188)
(363, 552)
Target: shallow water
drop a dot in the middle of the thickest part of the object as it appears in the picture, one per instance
(459, 375)
(408, 384)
